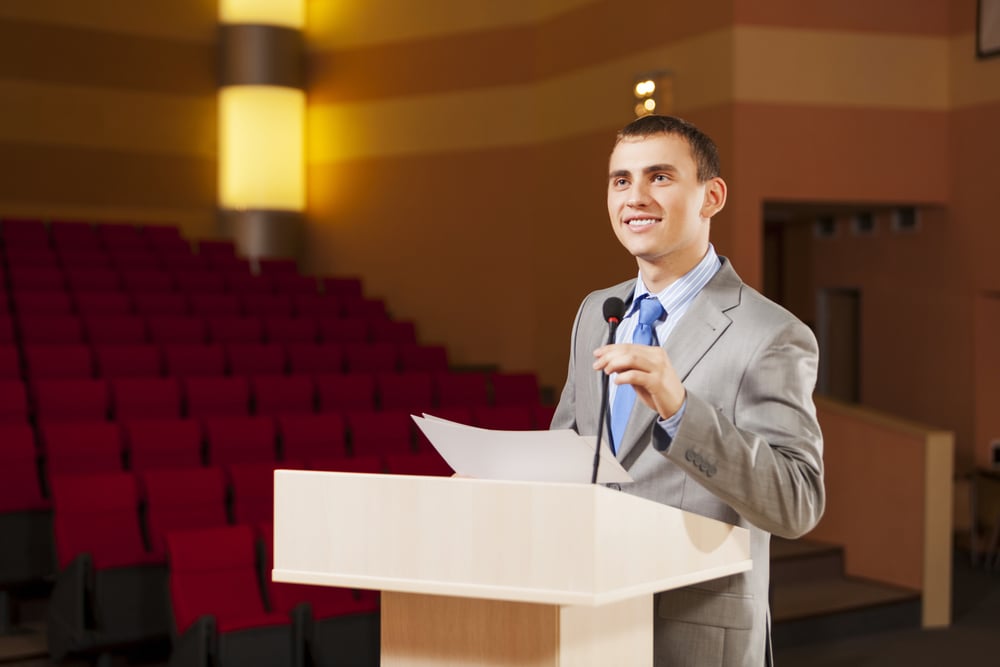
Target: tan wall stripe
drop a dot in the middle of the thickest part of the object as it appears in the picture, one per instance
(108, 120)
(188, 20)
(914, 17)
(56, 54)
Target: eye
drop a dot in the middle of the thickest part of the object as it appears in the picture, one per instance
(661, 178)
(619, 182)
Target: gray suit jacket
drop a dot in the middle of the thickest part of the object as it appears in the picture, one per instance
(748, 451)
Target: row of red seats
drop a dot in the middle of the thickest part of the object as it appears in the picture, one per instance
(96, 399)
(142, 276)
(28, 233)
(134, 329)
(193, 302)
(79, 360)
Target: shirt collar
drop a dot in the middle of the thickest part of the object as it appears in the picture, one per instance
(682, 291)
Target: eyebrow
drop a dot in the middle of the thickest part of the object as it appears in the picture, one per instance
(651, 169)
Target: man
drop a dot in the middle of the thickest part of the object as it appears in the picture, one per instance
(723, 423)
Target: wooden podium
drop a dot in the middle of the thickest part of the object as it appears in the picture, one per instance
(477, 572)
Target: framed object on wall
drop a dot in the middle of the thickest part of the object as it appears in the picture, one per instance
(988, 28)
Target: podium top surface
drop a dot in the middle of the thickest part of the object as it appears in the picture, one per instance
(566, 544)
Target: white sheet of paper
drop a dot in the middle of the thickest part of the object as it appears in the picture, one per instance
(528, 456)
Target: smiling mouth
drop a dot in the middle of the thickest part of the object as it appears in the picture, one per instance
(641, 222)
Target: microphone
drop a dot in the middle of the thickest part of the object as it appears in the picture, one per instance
(614, 309)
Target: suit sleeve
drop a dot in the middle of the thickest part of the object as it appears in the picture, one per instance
(565, 414)
(766, 459)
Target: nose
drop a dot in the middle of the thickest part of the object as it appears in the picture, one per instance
(637, 196)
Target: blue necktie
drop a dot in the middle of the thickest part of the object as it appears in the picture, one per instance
(650, 310)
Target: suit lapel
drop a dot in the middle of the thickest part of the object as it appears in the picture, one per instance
(699, 329)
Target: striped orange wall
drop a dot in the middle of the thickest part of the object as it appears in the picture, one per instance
(108, 111)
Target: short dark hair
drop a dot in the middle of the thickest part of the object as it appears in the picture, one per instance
(703, 149)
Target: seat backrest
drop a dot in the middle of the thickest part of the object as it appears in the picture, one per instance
(241, 440)
(411, 391)
(10, 362)
(461, 390)
(505, 417)
(515, 389)
(99, 515)
(176, 329)
(13, 402)
(235, 329)
(163, 443)
(217, 396)
(42, 302)
(336, 329)
(58, 360)
(253, 490)
(427, 463)
(115, 329)
(305, 437)
(70, 400)
(283, 394)
(315, 358)
(371, 357)
(256, 358)
(393, 331)
(194, 359)
(338, 392)
(182, 499)
(82, 447)
(90, 304)
(415, 357)
(130, 360)
(161, 304)
(50, 329)
(20, 486)
(377, 433)
(278, 329)
(213, 571)
(146, 398)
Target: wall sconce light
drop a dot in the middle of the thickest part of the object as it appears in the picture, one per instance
(262, 108)
(653, 93)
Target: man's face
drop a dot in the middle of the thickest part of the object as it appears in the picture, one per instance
(657, 206)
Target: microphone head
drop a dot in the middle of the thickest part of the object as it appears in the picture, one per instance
(614, 308)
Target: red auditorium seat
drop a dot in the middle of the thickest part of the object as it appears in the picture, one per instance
(146, 398)
(13, 402)
(543, 416)
(20, 488)
(266, 305)
(338, 329)
(338, 392)
(160, 304)
(73, 234)
(290, 330)
(6, 329)
(81, 447)
(275, 266)
(165, 237)
(163, 443)
(414, 357)
(371, 357)
(209, 304)
(316, 305)
(34, 277)
(119, 236)
(392, 331)
(199, 283)
(217, 602)
(514, 388)
(369, 309)
(283, 394)
(10, 362)
(42, 302)
(380, 433)
(73, 259)
(109, 591)
(345, 622)
(93, 279)
(461, 390)
(115, 329)
(71, 360)
(341, 286)
(70, 400)
(146, 281)
(50, 329)
(217, 396)
(310, 437)
(253, 490)
(412, 392)
(505, 417)
(177, 329)
(130, 259)
(239, 280)
(315, 358)
(41, 257)
(182, 499)
(241, 439)
(294, 284)
(194, 359)
(256, 358)
(141, 360)
(356, 464)
(102, 303)
(19, 232)
(235, 329)
(428, 464)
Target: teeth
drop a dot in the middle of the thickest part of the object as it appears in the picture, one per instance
(641, 222)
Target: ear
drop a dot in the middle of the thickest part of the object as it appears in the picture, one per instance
(715, 197)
